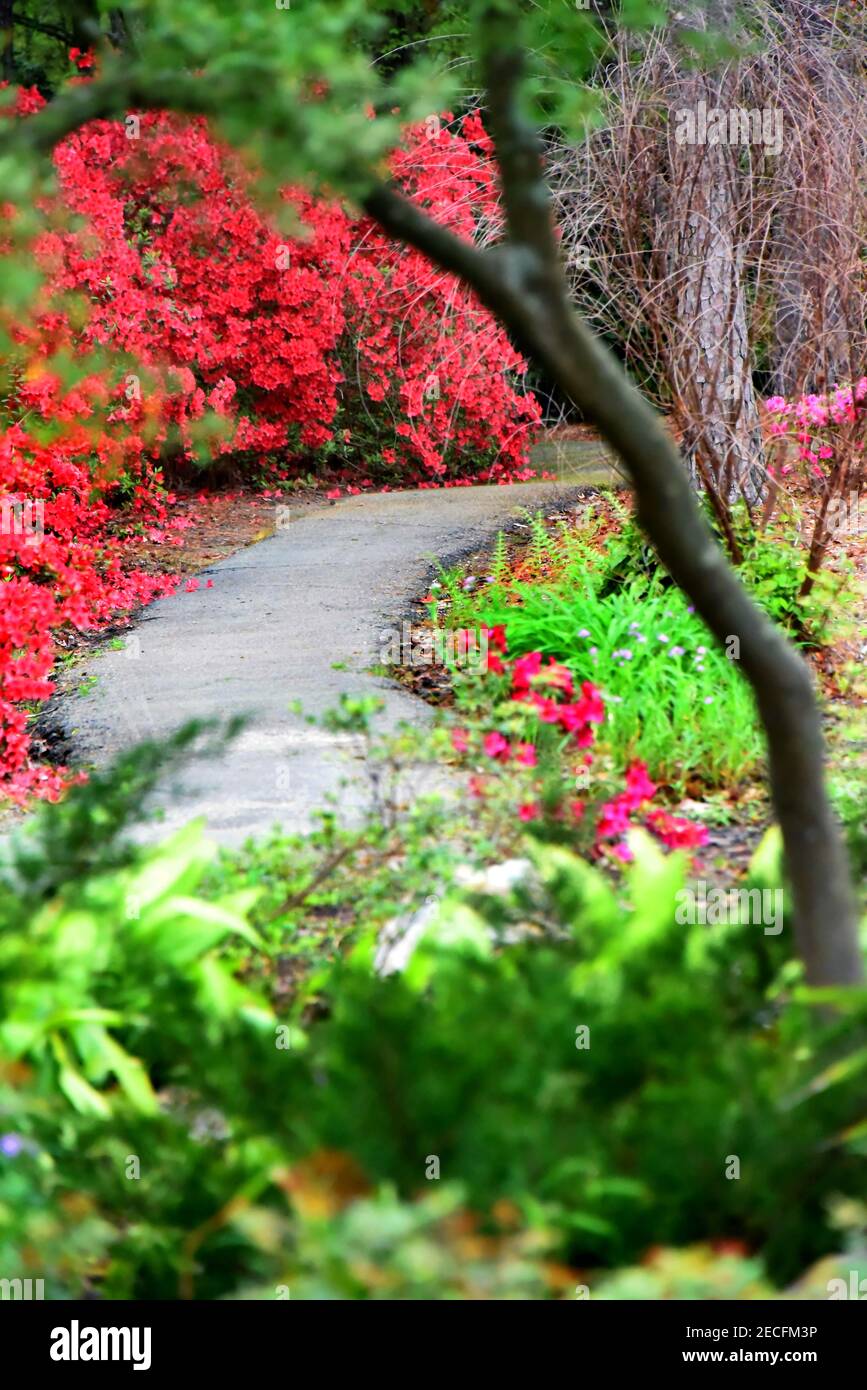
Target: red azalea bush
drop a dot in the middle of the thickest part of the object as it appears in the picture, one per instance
(432, 381)
(332, 342)
(546, 690)
(59, 567)
(180, 269)
(332, 337)
(68, 453)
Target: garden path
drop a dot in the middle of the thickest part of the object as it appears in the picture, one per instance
(298, 616)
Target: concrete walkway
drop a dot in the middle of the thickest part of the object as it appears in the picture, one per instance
(281, 615)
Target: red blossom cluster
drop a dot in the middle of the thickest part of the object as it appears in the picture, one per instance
(442, 370)
(548, 687)
(616, 818)
(329, 338)
(59, 566)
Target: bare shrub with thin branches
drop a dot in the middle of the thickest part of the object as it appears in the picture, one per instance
(716, 266)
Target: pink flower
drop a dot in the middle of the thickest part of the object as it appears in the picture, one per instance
(572, 717)
(547, 710)
(191, 586)
(529, 810)
(496, 746)
(638, 785)
(460, 740)
(675, 831)
(525, 754)
(613, 819)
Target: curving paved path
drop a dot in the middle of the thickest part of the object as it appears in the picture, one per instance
(280, 616)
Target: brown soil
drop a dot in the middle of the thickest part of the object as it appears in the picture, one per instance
(222, 523)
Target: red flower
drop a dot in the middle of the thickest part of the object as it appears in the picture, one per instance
(638, 784)
(523, 671)
(676, 832)
(496, 746)
(591, 705)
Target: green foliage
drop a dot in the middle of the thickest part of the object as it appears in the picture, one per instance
(609, 614)
(695, 1273)
(113, 1005)
(290, 1148)
(36, 46)
(774, 567)
(62, 845)
(847, 785)
(471, 1055)
(378, 1246)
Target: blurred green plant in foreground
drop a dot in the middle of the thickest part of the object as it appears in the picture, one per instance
(555, 1084)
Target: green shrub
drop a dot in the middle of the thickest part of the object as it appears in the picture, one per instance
(672, 697)
(303, 1149)
(697, 1053)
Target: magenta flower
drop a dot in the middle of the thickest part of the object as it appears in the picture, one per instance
(495, 745)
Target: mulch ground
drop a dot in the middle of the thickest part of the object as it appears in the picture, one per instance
(219, 524)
